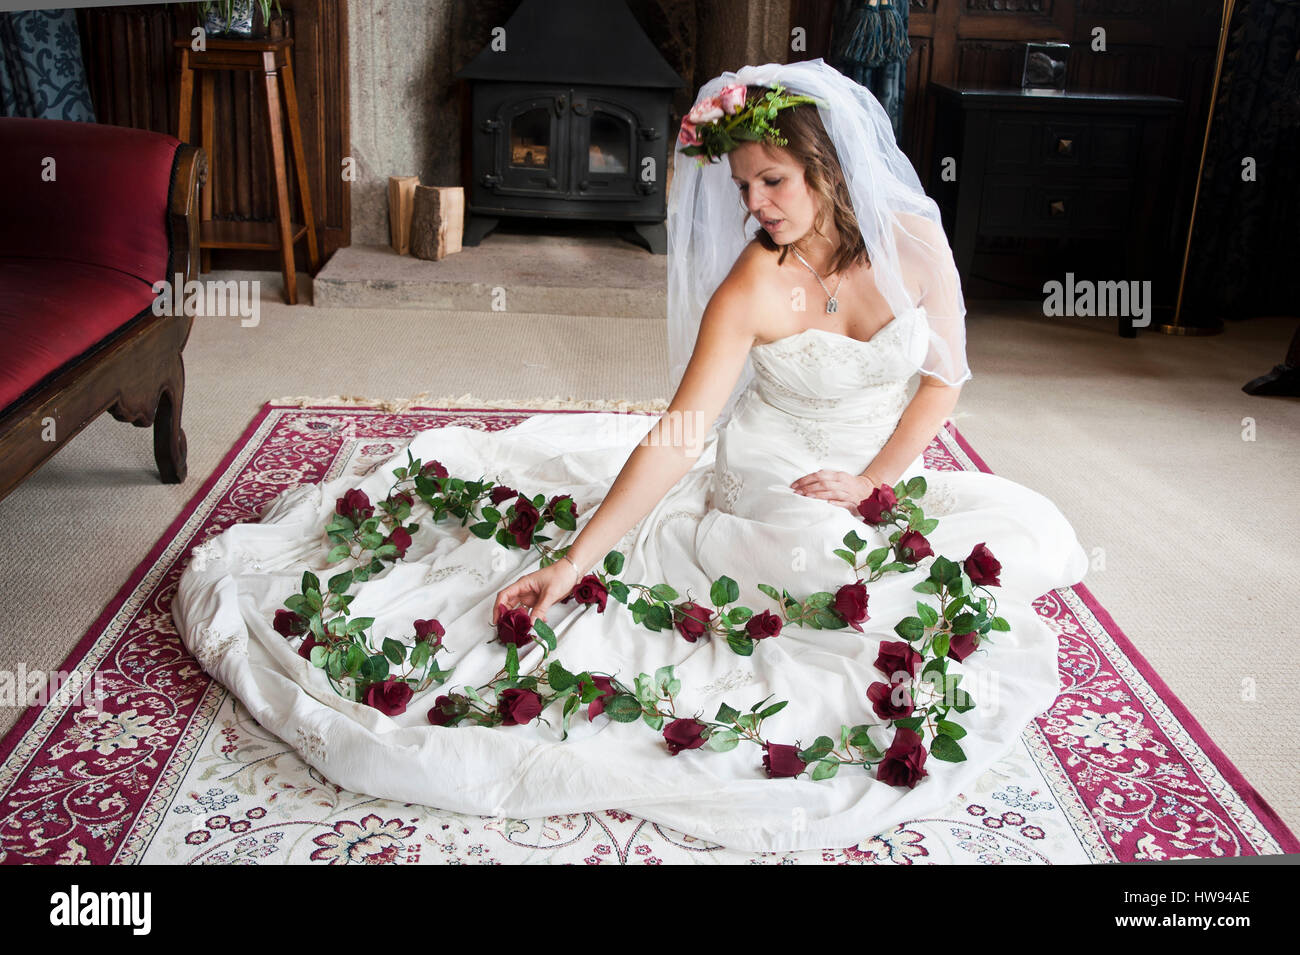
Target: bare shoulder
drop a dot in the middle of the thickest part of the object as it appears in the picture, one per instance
(925, 229)
(747, 286)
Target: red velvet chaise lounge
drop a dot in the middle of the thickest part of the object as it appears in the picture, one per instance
(91, 216)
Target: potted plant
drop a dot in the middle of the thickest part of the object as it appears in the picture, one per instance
(238, 18)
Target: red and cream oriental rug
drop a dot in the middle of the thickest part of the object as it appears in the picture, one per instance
(169, 768)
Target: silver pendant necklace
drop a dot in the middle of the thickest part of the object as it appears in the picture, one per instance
(832, 304)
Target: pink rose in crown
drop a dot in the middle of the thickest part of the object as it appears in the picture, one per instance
(429, 631)
(524, 523)
(732, 98)
(896, 657)
(684, 733)
(904, 762)
(782, 761)
(518, 706)
(913, 547)
(705, 111)
(389, 697)
(400, 539)
(763, 625)
(982, 567)
(354, 504)
(514, 626)
(851, 604)
(891, 701)
(688, 135)
(873, 508)
(692, 620)
(589, 590)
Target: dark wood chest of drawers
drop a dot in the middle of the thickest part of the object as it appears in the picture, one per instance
(1078, 165)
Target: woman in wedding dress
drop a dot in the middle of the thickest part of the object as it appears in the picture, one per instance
(795, 351)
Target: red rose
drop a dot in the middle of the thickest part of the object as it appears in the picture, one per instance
(963, 645)
(290, 624)
(401, 497)
(913, 547)
(501, 493)
(597, 706)
(692, 620)
(763, 625)
(897, 657)
(514, 626)
(433, 469)
(355, 505)
(589, 590)
(518, 706)
(904, 761)
(873, 508)
(891, 701)
(307, 645)
(429, 631)
(851, 604)
(982, 567)
(781, 760)
(447, 710)
(389, 697)
(400, 539)
(524, 523)
(684, 733)
(548, 514)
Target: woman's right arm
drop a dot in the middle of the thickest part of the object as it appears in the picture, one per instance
(669, 449)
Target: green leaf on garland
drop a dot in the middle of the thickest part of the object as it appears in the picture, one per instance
(820, 600)
(740, 644)
(929, 616)
(339, 583)
(613, 563)
(372, 540)
(826, 768)
(940, 644)
(948, 728)
(623, 708)
(739, 615)
(854, 542)
(420, 654)
(659, 617)
(911, 723)
(354, 658)
(819, 748)
(722, 741)
(559, 678)
(946, 748)
(910, 628)
(1000, 624)
(926, 587)
(927, 526)
(375, 669)
(770, 591)
(314, 600)
(961, 700)
(298, 604)
(827, 620)
(395, 650)
(944, 571)
(618, 590)
(773, 709)
(318, 655)
(877, 557)
(338, 553)
(917, 487)
(544, 634)
(310, 581)
(726, 714)
(847, 556)
(387, 551)
(359, 624)
(482, 530)
(963, 623)
(664, 592)
(723, 591)
(652, 719)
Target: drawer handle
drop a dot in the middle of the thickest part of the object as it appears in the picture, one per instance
(1056, 208)
(1065, 147)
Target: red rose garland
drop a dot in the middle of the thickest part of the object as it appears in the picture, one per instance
(916, 664)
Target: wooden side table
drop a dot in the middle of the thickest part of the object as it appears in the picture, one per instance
(1074, 164)
(270, 58)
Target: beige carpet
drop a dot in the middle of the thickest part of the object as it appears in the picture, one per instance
(1195, 532)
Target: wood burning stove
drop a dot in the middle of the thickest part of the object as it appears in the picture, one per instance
(569, 119)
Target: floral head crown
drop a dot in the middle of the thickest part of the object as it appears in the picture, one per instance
(719, 124)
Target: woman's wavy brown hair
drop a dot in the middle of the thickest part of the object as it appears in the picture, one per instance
(808, 143)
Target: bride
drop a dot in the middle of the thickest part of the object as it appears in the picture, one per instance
(795, 350)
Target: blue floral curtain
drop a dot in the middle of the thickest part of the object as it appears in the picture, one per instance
(41, 72)
(869, 45)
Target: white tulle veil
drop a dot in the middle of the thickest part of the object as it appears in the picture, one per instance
(910, 256)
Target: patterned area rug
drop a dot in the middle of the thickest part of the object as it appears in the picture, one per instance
(169, 768)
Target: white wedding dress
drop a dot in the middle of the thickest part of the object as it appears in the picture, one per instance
(817, 400)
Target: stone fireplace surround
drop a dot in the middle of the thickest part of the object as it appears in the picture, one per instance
(406, 109)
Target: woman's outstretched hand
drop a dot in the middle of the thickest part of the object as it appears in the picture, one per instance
(537, 590)
(838, 487)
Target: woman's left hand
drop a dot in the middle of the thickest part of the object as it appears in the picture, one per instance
(839, 487)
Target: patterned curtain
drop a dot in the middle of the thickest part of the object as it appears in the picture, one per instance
(41, 72)
(869, 45)
(1246, 242)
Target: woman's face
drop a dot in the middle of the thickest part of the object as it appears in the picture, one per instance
(772, 187)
